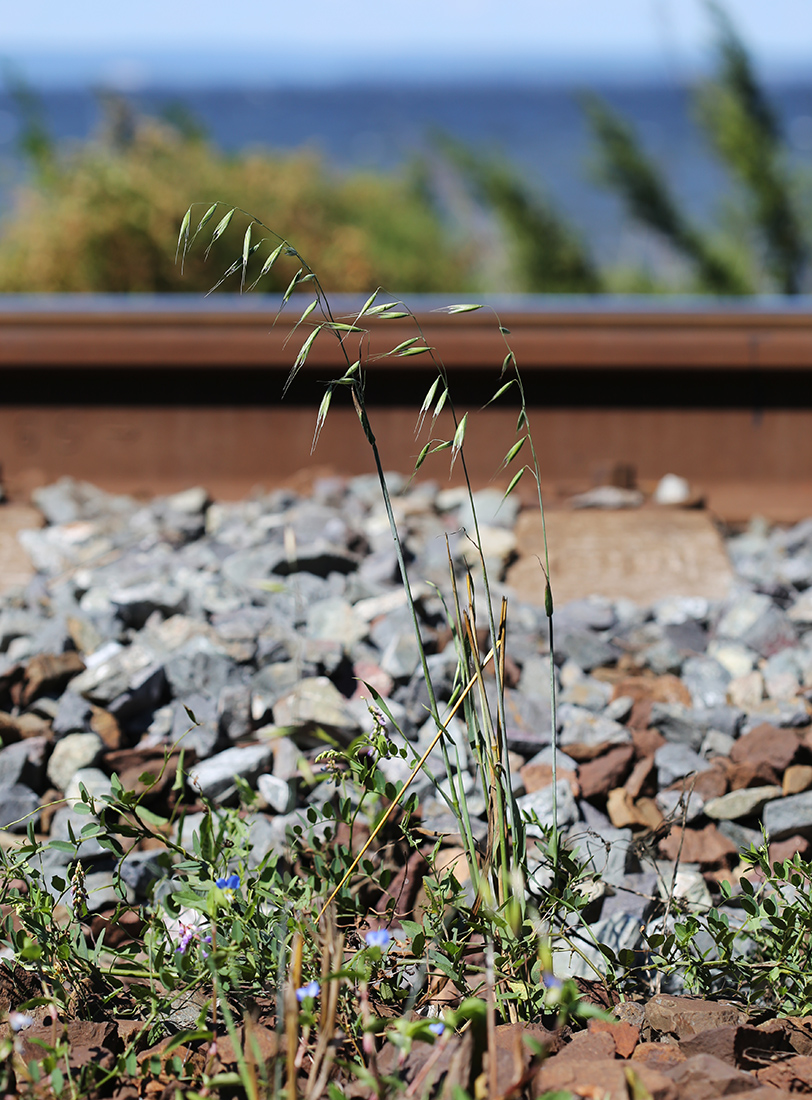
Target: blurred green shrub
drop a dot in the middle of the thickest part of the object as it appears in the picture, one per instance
(103, 217)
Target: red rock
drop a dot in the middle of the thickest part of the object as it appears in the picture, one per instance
(762, 1092)
(604, 1079)
(596, 991)
(655, 689)
(105, 725)
(752, 773)
(599, 776)
(127, 927)
(793, 1074)
(537, 776)
(133, 1031)
(513, 1055)
(709, 784)
(643, 778)
(702, 846)
(767, 744)
(786, 849)
(686, 1016)
(17, 986)
(744, 1047)
(795, 1032)
(588, 1046)
(49, 673)
(646, 741)
(89, 1042)
(582, 753)
(368, 672)
(264, 1046)
(704, 1077)
(626, 1036)
(658, 1055)
(640, 717)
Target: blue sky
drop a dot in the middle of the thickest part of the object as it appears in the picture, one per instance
(322, 40)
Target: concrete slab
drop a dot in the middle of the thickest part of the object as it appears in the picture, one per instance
(15, 568)
(643, 555)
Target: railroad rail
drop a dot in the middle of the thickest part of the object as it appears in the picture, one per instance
(146, 395)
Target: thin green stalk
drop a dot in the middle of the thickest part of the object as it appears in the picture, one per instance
(390, 515)
(548, 608)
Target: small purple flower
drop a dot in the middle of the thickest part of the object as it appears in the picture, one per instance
(185, 940)
(230, 883)
(438, 1027)
(377, 937)
(550, 981)
(312, 989)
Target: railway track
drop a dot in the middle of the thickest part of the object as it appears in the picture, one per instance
(149, 395)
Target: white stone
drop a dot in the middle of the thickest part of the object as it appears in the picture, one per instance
(801, 610)
(608, 496)
(497, 543)
(570, 674)
(95, 782)
(689, 885)
(77, 750)
(746, 691)
(278, 793)
(675, 610)
(737, 659)
(741, 802)
(189, 501)
(672, 489)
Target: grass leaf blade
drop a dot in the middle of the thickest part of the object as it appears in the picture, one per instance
(514, 450)
(220, 229)
(499, 392)
(183, 235)
(459, 439)
(515, 481)
(301, 358)
(246, 252)
(424, 408)
(324, 408)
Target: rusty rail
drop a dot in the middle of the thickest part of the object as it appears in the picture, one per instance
(147, 395)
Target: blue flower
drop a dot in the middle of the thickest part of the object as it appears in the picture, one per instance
(550, 981)
(377, 937)
(312, 989)
(438, 1027)
(230, 883)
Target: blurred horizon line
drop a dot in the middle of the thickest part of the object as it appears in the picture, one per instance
(150, 71)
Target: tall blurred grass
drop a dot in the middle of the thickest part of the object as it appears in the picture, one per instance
(103, 217)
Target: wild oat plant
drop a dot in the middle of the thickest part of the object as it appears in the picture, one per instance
(309, 941)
